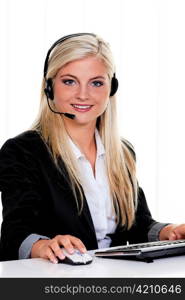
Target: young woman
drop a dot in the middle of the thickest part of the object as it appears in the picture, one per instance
(70, 181)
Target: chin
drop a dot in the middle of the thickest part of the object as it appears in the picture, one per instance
(80, 121)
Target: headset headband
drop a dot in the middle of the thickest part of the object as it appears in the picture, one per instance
(59, 41)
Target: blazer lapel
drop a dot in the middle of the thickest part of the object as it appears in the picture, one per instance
(87, 221)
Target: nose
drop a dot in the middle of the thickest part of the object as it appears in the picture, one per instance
(82, 92)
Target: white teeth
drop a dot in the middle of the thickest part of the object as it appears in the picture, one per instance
(81, 106)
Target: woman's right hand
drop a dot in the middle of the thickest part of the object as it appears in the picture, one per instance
(51, 249)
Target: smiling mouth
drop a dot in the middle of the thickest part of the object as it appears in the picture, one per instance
(82, 108)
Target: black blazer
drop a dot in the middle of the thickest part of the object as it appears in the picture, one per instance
(37, 198)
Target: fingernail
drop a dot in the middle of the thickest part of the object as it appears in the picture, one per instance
(71, 250)
(61, 256)
(84, 250)
(172, 236)
(55, 261)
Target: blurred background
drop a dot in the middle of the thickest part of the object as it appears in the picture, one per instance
(147, 38)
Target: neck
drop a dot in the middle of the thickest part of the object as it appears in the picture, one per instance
(83, 136)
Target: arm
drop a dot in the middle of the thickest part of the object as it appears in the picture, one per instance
(154, 232)
(21, 201)
(27, 244)
(144, 222)
(24, 208)
(146, 228)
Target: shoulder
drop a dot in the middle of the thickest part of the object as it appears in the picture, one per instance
(24, 137)
(129, 147)
(19, 160)
(21, 155)
(28, 142)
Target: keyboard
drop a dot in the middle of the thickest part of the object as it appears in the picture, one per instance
(144, 251)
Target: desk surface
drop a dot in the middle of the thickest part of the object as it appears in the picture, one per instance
(100, 267)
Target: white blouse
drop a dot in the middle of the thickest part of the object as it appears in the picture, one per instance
(97, 192)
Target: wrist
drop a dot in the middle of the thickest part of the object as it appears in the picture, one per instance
(36, 247)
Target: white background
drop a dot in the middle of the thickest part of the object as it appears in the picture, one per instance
(148, 41)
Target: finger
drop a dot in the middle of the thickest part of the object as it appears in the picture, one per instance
(178, 235)
(180, 231)
(77, 243)
(57, 250)
(66, 243)
(172, 236)
(50, 255)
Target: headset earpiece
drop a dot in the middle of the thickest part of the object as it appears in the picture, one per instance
(114, 85)
(49, 89)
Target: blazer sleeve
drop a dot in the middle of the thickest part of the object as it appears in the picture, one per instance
(19, 183)
(138, 233)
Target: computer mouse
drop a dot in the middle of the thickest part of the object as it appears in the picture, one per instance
(76, 258)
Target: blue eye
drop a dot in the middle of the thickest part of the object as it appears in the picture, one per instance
(97, 83)
(68, 81)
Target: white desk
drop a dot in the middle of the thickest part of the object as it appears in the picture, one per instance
(100, 267)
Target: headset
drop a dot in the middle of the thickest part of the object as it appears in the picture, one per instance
(49, 84)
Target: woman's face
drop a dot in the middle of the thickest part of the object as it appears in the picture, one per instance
(82, 88)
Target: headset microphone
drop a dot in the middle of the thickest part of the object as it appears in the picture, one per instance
(70, 116)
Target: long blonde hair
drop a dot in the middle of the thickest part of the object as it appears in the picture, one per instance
(120, 161)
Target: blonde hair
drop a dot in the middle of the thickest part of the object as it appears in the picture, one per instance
(120, 161)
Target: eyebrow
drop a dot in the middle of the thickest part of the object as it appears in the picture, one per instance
(102, 77)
